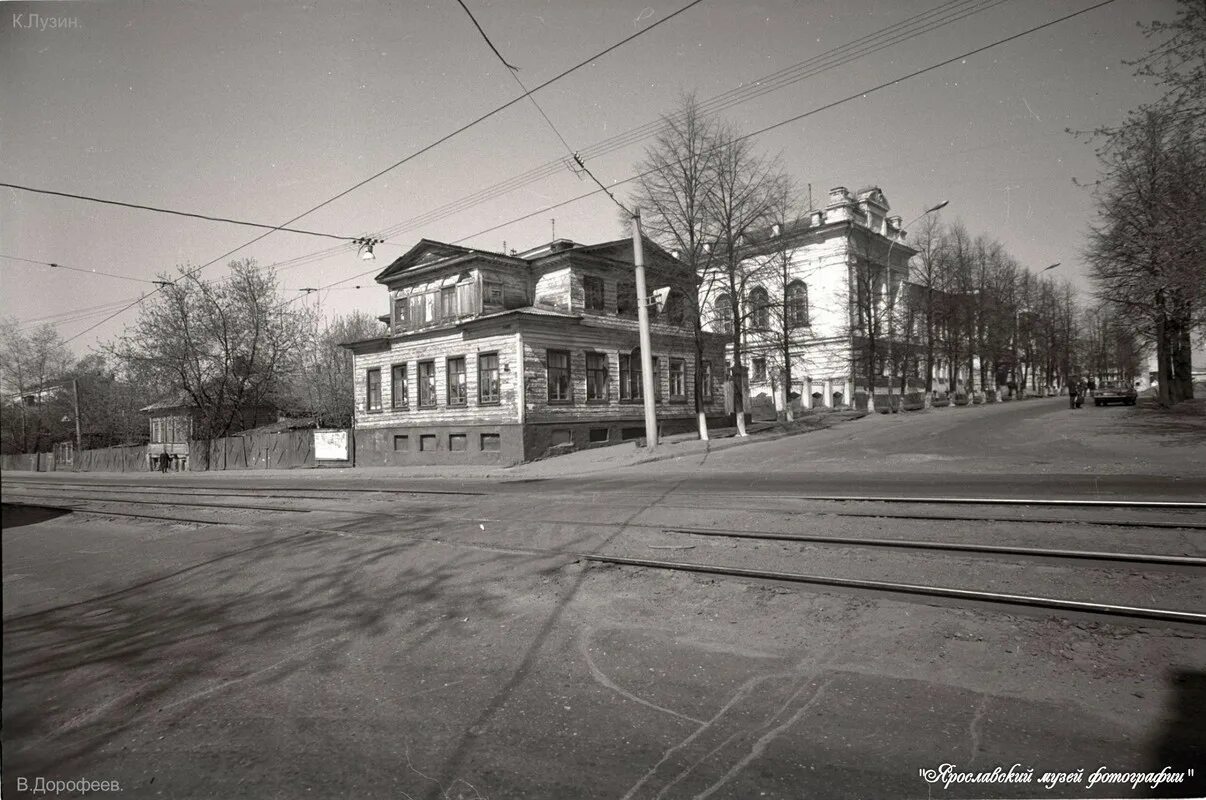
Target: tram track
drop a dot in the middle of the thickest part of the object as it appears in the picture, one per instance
(744, 572)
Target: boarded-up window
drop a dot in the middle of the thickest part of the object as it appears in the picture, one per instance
(492, 293)
(427, 442)
(458, 442)
(466, 299)
(592, 287)
(491, 443)
(401, 443)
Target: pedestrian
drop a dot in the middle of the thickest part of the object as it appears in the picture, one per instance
(1072, 393)
(163, 463)
(1081, 391)
(1092, 387)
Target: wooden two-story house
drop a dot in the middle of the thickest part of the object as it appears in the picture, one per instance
(500, 358)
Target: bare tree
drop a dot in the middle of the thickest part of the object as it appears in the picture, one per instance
(677, 174)
(33, 365)
(741, 200)
(225, 346)
(322, 384)
(1146, 250)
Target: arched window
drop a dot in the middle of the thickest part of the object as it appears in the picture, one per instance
(797, 304)
(759, 308)
(723, 308)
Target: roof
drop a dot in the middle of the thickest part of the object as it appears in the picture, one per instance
(181, 400)
(430, 253)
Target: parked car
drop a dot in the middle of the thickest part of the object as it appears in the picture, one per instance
(1115, 393)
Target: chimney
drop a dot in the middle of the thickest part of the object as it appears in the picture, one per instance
(817, 218)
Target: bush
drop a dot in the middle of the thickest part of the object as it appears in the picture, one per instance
(960, 399)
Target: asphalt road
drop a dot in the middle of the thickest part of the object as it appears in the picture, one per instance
(444, 646)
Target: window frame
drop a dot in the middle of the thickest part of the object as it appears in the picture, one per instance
(597, 377)
(754, 369)
(706, 388)
(568, 399)
(594, 285)
(759, 309)
(459, 398)
(680, 396)
(722, 307)
(435, 399)
(797, 304)
(369, 374)
(482, 399)
(394, 383)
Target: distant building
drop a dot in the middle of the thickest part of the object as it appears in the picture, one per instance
(174, 425)
(505, 357)
(825, 251)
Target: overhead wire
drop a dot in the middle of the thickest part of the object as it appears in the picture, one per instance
(824, 62)
(940, 16)
(76, 269)
(909, 28)
(788, 121)
(512, 70)
(413, 155)
(160, 210)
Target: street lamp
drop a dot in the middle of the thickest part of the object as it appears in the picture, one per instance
(892, 303)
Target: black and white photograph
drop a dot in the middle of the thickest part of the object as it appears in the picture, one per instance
(493, 399)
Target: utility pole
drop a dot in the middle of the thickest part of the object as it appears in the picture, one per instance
(79, 445)
(638, 257)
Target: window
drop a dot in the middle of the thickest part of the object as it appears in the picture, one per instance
(448, 303)
(561, 437)
(401, 443)
(597, 435)
(427, 442)
(466, 299)
(420, 310)
(493, 293)
(760, 370)
(491, 443)
(401, 317)
(458, 390)
(427, 384)
(458, 442)
(630, 378)
(678, 379)
(487, 378)
(399, 397)
(372, 386)
(797, 304)
(592, 287)
(559, 376)
(676, 308)
(626, 299)
(706, 389)
(723, 311)
(759, 309)
(596, 376)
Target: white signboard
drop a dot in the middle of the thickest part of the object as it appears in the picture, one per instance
(330, 445)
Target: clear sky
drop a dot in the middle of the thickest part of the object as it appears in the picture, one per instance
(260, 110)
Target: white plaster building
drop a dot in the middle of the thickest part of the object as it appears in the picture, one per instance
(845, 265)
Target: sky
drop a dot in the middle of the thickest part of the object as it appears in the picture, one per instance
(261, 110)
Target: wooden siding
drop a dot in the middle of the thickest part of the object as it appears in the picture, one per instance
(611, 340)
(439, 347)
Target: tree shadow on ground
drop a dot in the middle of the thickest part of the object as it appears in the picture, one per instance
(16, 515)
(257, 615)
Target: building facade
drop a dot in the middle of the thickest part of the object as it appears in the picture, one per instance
(499, 358)
(822, 293)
